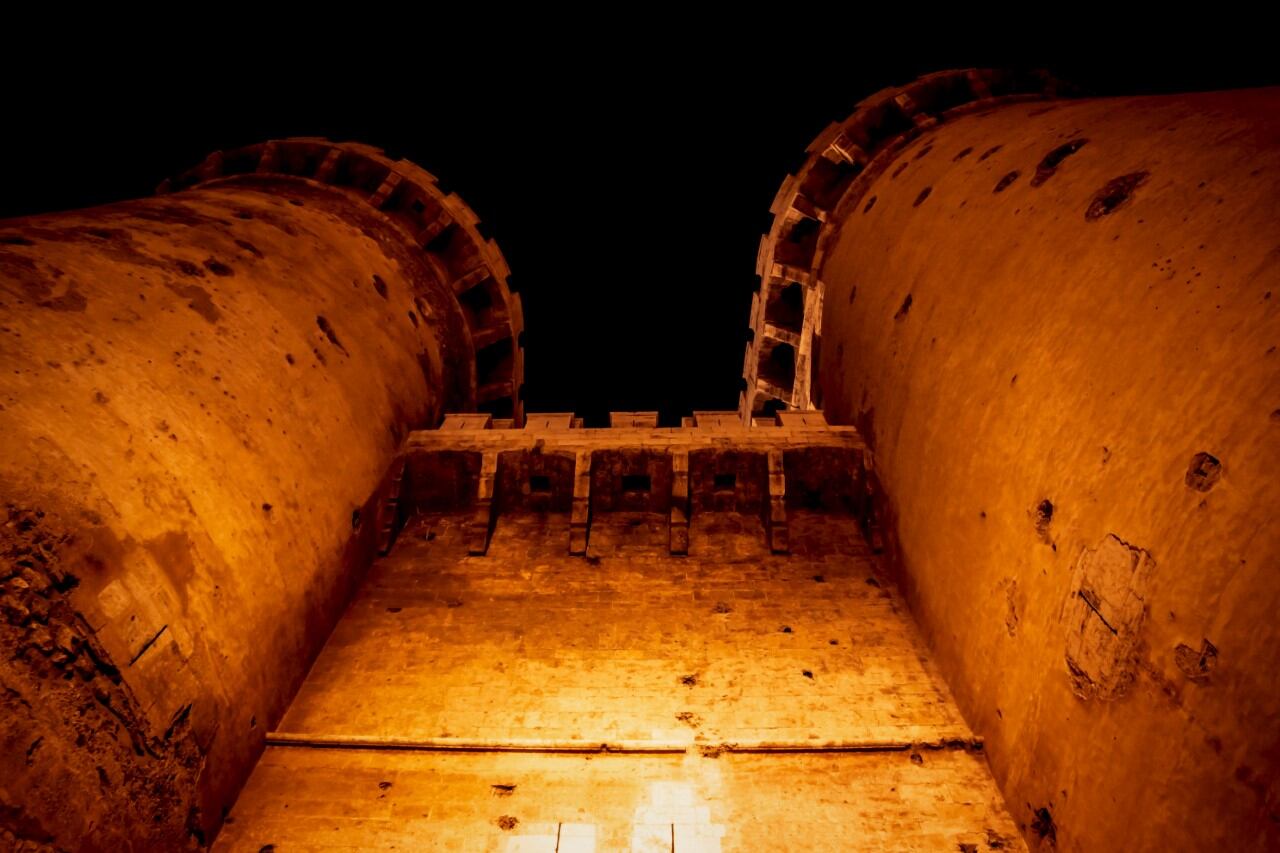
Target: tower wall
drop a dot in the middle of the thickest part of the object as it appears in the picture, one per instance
(1055, 323)
(201, 394)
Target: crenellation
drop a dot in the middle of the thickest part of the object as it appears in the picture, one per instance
(982, 560)
(715, 466)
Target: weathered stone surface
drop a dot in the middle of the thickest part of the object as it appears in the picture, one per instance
(528, 643)
(1104, 345)
(200, 396)
(336, 799)
(1051, 321)
(729, 648)
(1103, 618)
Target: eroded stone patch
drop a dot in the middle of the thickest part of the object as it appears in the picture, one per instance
(1103, 618)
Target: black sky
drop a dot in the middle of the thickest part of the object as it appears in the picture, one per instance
(628, 191)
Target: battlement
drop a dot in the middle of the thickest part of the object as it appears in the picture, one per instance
(553, 465)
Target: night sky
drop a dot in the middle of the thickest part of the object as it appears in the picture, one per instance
(628, 192)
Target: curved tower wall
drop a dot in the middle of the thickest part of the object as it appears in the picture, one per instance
(1056, 322)
(200, 395)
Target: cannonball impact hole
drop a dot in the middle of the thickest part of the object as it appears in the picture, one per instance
(1051, 161)
(1196, 664)
(218, 268)
(1003, 183)
(1044, 510)
(250, 248)
(906, 307)
(1042, 515)
(327, 328)
(1114, 195)
(1043, 826)
(1204, 472)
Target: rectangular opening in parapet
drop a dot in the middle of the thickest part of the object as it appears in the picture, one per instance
(785, 307)
(478, 303)
(726, 482)
(539, 484)
(635, 483)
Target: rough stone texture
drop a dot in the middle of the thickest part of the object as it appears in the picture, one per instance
(369, 800)
(1090, 360)
(479, 461)
(530, 643)
(785, 344)
(1103, 618)
(201, 394)
(528, 647)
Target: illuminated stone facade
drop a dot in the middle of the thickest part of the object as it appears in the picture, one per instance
(983, 561)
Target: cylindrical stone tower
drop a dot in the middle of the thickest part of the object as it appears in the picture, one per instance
(1056, 323)
(200, 395)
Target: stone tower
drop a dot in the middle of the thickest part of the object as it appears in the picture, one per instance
(203, 391)
(983, 561)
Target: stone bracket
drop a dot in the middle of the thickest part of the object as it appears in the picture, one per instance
(482, 520)
(383, 194)
(329, 166)
(270, 161)
(389, 509)
(434, 228)
(580, 517)
(870, 517)
(776, 523)
(680, 502)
